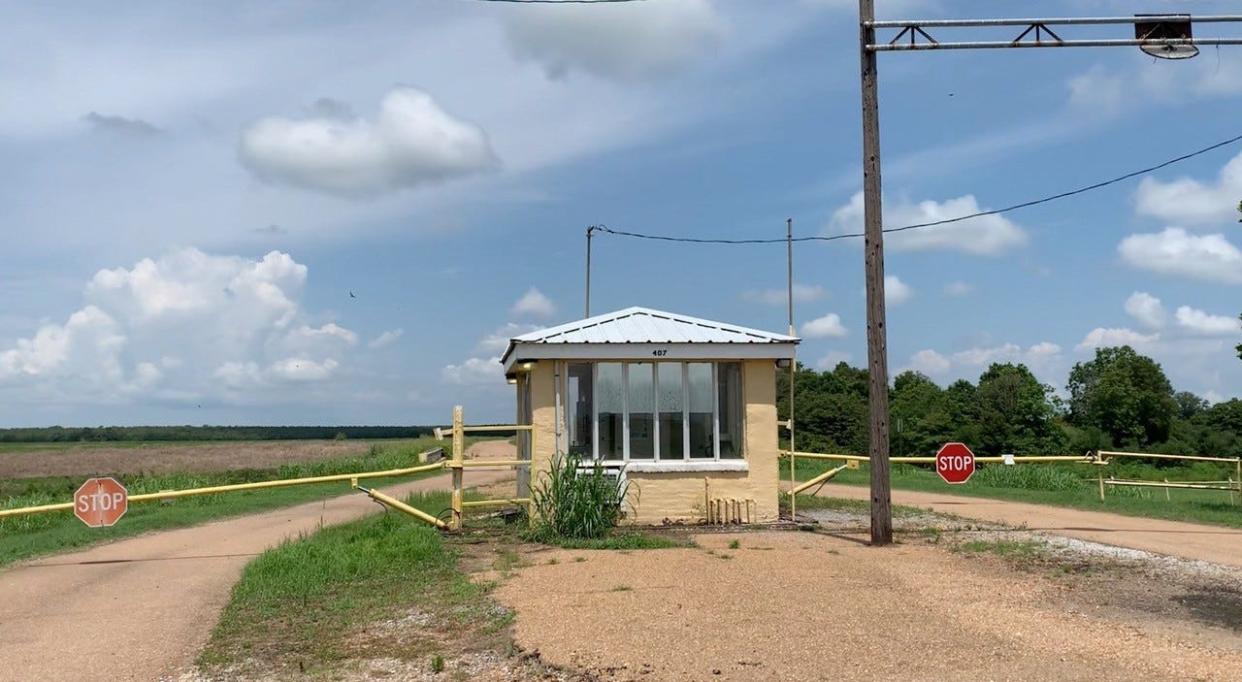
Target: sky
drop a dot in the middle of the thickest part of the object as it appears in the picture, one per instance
(338, 213)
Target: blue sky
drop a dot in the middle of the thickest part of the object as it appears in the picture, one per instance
(189, 194)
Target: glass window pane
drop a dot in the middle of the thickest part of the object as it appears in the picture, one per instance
(671, 405)
(701, 402)
(609, 396)
(642, 411)
(578, 408)
(729, 379)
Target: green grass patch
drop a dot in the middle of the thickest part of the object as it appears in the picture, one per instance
(300, 606)
(22, 537)
(863, 507)
(1010, 549)
(1065, 485)
(624, 541)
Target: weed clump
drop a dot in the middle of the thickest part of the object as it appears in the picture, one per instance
(576, 502)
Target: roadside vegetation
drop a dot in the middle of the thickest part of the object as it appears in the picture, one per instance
(27, 536)
(1065, 485)
(21, 438)
(383, 587)
(1118, 400)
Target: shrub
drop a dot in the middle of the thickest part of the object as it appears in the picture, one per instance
(574, 502)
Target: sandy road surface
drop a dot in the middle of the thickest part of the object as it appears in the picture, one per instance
(1216, 544)
(805, 606)
(141, 608)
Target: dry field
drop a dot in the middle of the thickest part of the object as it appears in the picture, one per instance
(172, 457)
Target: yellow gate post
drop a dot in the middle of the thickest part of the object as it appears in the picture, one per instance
(456, 464)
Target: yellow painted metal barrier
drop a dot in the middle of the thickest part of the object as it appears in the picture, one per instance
(822, 478)
(458, 464)
(1085, 459)
(212, 490)
(402, 507)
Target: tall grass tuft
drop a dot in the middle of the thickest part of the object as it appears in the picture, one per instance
(575, 502)
(1028, 477)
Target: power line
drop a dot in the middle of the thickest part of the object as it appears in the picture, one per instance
(561, 2)
(934, 223)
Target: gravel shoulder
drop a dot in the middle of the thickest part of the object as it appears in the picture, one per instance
(1215, 544)
(813, 606)
(141, 608)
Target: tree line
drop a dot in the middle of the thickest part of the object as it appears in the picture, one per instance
(61, 434)
(1119, 399)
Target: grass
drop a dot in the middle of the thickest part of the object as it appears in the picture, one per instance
(24, 537)
(1009, 549)
(301, 606)
(1065, 485)
(623, 541)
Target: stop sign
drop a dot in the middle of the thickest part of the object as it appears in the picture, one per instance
(100, 502)
(955, 463)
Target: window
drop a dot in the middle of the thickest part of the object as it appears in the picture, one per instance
(579, 414)
(700, 415)
(640, 398)
(672, 400)
(610, 397)
(729, 385)
(666, 411)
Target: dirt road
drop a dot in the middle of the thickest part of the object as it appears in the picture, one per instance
(142, 608)
(1186, 540)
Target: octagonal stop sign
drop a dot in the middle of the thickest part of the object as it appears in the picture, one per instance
(955, 463)
(100, 502)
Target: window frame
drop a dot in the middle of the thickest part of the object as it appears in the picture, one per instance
(657, 458)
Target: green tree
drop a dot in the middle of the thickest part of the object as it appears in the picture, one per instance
(920, 422)
(1015, 412)
(1123, 394)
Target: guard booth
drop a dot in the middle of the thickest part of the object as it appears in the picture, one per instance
(683, 408)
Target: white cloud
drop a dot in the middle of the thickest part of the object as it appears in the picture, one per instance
(832, 358)
(823, 327)
(533, 304)
(1008, 352)
(303, 369)
(1186, 201)
(802, 293)
(182, 327)
(622, 41)
(498, 340)
(896, 291)
(1102, 337)
(929, 362)
(386, 339)
(1146, 308)
(958, 288)
(985, 236)
(411, 142)
(1176, 252)
(1200, 322)
(475, 371)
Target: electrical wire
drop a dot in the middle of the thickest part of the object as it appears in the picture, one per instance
(561, 2)
(934, 223)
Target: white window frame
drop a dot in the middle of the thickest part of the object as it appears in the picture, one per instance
(658, 462)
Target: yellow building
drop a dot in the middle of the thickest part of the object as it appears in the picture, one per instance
(683, 408)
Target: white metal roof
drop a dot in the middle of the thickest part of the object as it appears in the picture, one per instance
(599, 336)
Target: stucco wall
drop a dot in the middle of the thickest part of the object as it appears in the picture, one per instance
(680, 496)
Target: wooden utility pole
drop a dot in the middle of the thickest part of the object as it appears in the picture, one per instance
(873, 250)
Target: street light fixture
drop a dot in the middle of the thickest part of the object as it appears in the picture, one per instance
(1166, 36)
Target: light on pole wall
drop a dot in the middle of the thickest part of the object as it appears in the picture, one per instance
(1165, 29)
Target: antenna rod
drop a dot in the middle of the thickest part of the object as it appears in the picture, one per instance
(590, 231)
